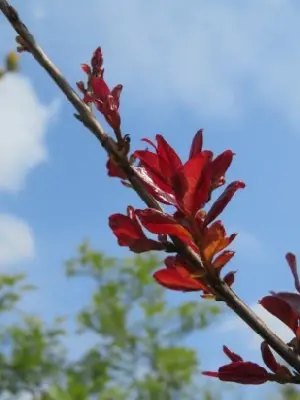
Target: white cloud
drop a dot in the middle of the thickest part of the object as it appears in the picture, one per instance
(16, 241)
(205, 54)
(24, 121)
(235, 324)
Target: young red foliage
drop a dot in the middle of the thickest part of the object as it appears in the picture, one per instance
(240, 371)
(282, 310)
(285, 305)
(214, 240)
(106, 101)
(114, 171)
(178, 276)
(129, 233)
(246, 372)
(187, 186)
(220, 204)
(162, 223)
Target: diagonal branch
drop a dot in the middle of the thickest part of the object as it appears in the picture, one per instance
(87, 118)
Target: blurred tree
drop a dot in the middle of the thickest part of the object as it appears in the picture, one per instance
(30, 353)
(11, 64)
(289, 392)
(137, 350)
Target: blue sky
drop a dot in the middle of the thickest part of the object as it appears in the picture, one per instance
(229, 67)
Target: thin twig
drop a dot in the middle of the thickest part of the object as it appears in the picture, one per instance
(87, 118)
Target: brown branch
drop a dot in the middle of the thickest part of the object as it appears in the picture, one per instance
(87, 118)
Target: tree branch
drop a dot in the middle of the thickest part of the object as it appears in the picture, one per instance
(87, 118)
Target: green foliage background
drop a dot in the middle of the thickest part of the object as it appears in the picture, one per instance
(138, 349)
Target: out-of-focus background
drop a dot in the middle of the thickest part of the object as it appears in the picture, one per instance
(97, 326)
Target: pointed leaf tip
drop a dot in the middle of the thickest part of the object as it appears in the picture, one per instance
(197, 144)
(86, 68)
(292, 261)
(177, 279)
(223, 200)
(231, 355)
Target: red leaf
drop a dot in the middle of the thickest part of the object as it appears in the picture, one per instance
(226, 242)
(211, 373)
(281, 310)
(131, 214)
(153, 189)
(152, 168)
(149, 142)
(116, 93)
(219, 205)
(166, 153)
(149, 160)
(215, 240)
(231, 355)
(175, 261)
(86, 68)
(100, 88)
(142, 245)
(202, 191)
(81, 87)
(114, 171)
(125, 229)
(222, 259)
(110, 106)
(200, 218)
(170, 261)
(186, 184)
(159, 222)
(87, 98)
(197, 143)
(97, 59)
(129, 233)
(246, 373)
(292, 261)
(177, 279)
(268, 357)
(293, 299)
(229, 278)
(110, 111)
(219, 166)
(185, 270)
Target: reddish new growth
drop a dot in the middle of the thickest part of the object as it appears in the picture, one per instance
(249, 373)
(189, 188)
(286, 306)
(97, 92)
(129, 233)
